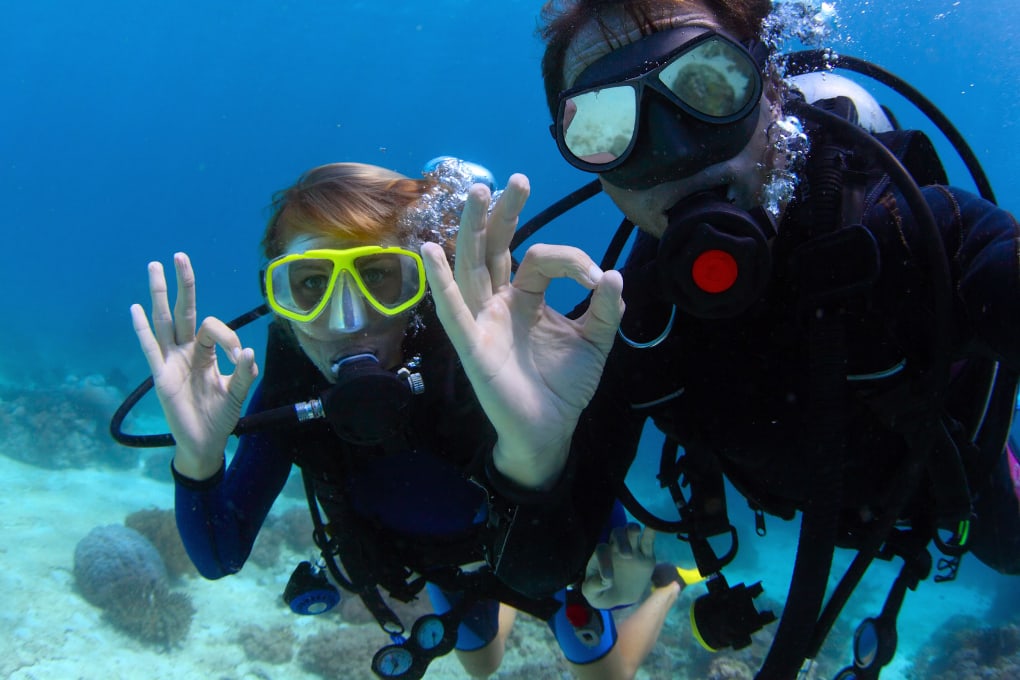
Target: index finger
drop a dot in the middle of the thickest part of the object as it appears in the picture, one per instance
(543, 262)
(147, 341)
(453, 312)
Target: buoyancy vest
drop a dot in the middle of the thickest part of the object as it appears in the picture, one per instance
(424, 518)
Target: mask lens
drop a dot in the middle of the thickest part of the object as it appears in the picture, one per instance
(390, 279)
(598, 125)
(715, 79)
(299, 285)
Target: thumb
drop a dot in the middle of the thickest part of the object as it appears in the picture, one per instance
(602, 318)
(240, 381)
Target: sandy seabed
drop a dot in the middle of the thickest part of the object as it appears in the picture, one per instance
(50, 631)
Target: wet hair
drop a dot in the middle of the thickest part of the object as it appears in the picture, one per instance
(562, 19)
(355, 201)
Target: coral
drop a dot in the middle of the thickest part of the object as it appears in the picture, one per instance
(112, 560)
(530, 639)
(119, 570)
(160, 527)
(275, 645)
(266, 551)
(296, 526)
(678, 654)
(63, 427)
(344, 652)
(965, 649)
(153, 615)
(726, 668)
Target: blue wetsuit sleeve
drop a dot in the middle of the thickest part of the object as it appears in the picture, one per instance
(219, 518)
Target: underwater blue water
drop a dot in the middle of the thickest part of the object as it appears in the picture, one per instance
(131, 130)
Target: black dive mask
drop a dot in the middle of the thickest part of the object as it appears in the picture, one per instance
(714, 259)
(368, 404)
(662, 108)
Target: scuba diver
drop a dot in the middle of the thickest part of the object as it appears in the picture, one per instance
(812, 314)
(361, 389)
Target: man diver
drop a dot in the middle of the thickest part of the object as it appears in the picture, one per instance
(810, 312)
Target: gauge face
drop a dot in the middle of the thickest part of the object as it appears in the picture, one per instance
(866, 640)
(392, 662)
(429, 632)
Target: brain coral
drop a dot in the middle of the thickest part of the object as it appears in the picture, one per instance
(112, 559)
(119, 570)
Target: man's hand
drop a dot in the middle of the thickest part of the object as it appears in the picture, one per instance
(533, 369)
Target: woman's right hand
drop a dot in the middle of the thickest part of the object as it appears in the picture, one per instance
(201, 405)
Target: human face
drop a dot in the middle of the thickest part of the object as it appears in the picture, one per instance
(324, 341)
(741, 177)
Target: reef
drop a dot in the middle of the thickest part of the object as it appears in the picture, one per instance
(965, 649)
(725, 668)
(353, 610)
(118, 570)
(274, 645)
(295, 524)
(678, 654)
(531, 640)
(292, 529)
(66, 426)
(343, 652)
(160, 527)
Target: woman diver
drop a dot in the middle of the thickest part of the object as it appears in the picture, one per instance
(403, 433)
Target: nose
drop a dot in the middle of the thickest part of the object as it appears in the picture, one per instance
(347, 308)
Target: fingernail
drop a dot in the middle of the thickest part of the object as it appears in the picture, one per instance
(595, 274)
(235, 354)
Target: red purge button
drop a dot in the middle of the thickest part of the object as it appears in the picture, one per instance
(714, 271)
(578, 615)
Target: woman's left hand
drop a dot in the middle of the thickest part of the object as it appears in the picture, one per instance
(533, 369)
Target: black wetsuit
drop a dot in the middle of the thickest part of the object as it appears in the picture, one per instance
(738, 387)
